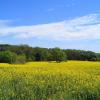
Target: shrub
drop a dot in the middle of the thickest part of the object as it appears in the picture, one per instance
(7, 57)
(11, 58)
(20, 59)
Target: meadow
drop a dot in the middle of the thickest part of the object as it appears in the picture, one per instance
(71, 80)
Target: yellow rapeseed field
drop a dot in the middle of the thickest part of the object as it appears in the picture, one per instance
(71, 80)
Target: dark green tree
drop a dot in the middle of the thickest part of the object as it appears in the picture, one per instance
(7, 57)
(40, 54)
(58, 55)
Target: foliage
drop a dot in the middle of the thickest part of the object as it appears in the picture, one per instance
(40, 54)
(80, 55)
(7, 57)
(58, 55)
(98, 57)
(11, 58)
(50, 54)
(20, 59)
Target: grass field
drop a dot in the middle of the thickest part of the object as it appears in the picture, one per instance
(72, 80)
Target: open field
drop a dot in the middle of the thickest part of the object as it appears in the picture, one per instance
(72, 80)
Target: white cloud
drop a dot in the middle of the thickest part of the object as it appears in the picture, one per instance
(86, 27)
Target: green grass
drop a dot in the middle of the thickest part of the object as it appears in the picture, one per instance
(72, 80)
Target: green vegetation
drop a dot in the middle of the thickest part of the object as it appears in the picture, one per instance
(11, 58)
(24, 53)
(7, 57)
(72, 80)
(58, 55)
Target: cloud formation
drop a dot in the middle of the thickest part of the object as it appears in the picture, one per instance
(85, 27)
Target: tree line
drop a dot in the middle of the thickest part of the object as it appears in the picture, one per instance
(24, 53)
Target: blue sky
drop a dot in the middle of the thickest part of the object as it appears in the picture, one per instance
(73, 24)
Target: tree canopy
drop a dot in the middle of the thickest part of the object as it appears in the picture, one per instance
(23, 53)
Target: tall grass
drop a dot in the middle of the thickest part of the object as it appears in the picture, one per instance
(72, 80)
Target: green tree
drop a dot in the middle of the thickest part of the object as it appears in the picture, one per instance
(58, 55)
(20, 59)
(98, 56)
(40, 54)
(7, 57)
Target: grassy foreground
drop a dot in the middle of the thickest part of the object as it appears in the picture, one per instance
(72, 80)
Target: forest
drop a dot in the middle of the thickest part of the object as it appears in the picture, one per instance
(24, 53)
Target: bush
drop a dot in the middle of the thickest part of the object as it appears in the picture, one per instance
(11, 58)
(21, 59)
(97, 57)
(7, 57)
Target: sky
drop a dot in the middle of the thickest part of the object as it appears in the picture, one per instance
(68, 24)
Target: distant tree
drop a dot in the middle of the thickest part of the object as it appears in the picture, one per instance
(4, 47)
(58, 55)
(80, 55)
(50, 55)
(40, 54)
(20, 59)
(91, 56)
(7, 57)
(11, 58)
(45, 54)
(23, 50)
(98, 56)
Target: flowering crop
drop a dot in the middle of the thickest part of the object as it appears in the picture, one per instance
(72, 80)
